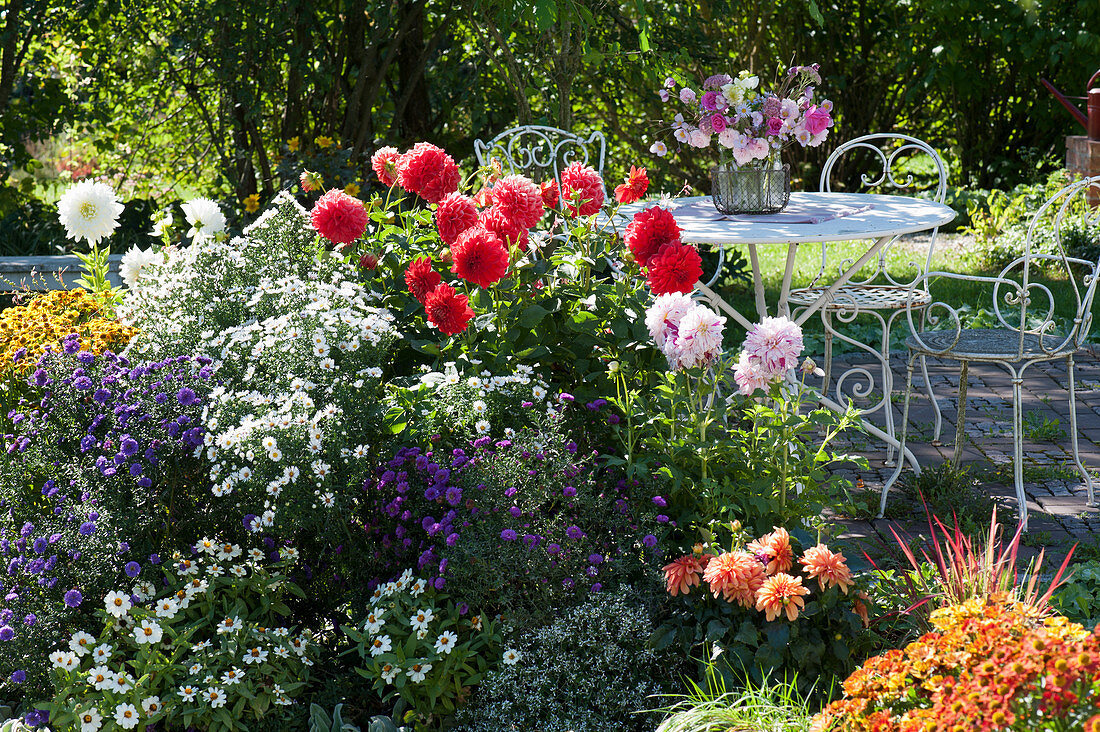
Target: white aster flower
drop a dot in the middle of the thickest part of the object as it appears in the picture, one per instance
(89, 210)
(205, 217)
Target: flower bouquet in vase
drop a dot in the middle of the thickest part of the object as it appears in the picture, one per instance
(750, 128)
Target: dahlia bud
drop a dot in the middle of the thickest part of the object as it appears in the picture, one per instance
(613, 367)
(809, 367)
(445, 255)
(496, 169)
(368, 261)
(311, 181)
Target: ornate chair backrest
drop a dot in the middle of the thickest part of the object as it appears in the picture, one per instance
(1062, 246)
(541, 152)
(878, 158)
(1060, 260)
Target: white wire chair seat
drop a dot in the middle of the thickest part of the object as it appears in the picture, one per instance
(861, 297)
(1028, 329)
(881, 294)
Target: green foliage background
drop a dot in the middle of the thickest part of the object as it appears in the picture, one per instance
(181, 97)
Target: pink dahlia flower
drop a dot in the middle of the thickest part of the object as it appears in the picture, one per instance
(427, 171)
(699, 337)
(518, 199)
(338, 217)
(455, 214)
(581, 189)
(750, 375)
(775, 343)
(384, 164)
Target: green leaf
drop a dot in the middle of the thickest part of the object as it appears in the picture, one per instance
(532, 316)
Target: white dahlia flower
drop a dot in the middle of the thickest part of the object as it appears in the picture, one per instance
(89, 210)
(205, 217)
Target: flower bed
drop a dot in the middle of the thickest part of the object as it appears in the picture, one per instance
(415, 457)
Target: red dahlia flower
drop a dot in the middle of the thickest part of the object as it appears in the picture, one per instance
(384, 163)
(676, 268)
(549, 190)
(650, 230)
(509, 230)
(634, 188)
(447, 310)
(581, 189)
(339, 217)
(455, 214)
(479, 256)
(427, 171)
(420, 278)
(518, 199)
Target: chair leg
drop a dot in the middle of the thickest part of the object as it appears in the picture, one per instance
(826, 321)
(888, 391)
(932, 400)
(960, 422)
(1018, 447)
(1073, 432)
(904, 431)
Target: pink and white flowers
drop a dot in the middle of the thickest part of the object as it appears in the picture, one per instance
(689, 334)
(751, 126)
(772, 347)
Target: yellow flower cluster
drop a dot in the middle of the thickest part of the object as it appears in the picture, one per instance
(48, 319)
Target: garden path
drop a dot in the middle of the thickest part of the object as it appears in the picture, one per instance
(1056, 493)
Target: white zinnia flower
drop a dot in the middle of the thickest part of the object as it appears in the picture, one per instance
(81, 643)
(148, 632)
(511, 657)
(151, 705)
(214, 697)
(255, 655)
(205, 217)
(89, 210)
(90, 720)
(133, 262)
(418, 671)
(117, 604)
(126, 716)
(445, 643)
(380, 645)
(421, 619)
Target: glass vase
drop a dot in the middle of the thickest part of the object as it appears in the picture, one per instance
(750, 190)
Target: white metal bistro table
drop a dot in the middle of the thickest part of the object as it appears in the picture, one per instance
(813, 218)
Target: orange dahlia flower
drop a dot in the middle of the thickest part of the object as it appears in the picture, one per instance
(828, 567)
(776, 546)
(780, 593)
(682, 574)
(736, 576)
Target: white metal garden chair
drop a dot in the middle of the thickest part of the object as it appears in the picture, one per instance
(880, 295)
(541, 152)
(1028, 331)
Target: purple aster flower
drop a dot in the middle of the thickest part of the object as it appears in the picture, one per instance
(41, 377)
(154, 559)
(596, 587)
(136, 469)
(516, 511)
(82, 382)
(6, 633)
(568, 583)
(128, 447)
(27, 529)
(649, 541)
(574, 532)
(660, 501)
(18, 676)
(431, 493)
(439, 583)
(508, 535)
(132, 569)
(40, 545)
(569, 491)
(102, 395)
(454, 496)
(186, 397)
(30, 620)
(595, 558)
(662, 519)
(613, 419)
(553, 549)
(565, 397)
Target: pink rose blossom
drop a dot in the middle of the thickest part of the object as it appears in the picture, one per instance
(775, 125)
(717, 123)
(687, 96)
(817, 120)
(728, 137)
(710, 101)
(699, 138)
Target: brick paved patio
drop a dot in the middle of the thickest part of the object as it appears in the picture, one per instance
(1056, 493)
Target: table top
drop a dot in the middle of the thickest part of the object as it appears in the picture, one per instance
(809, 217)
